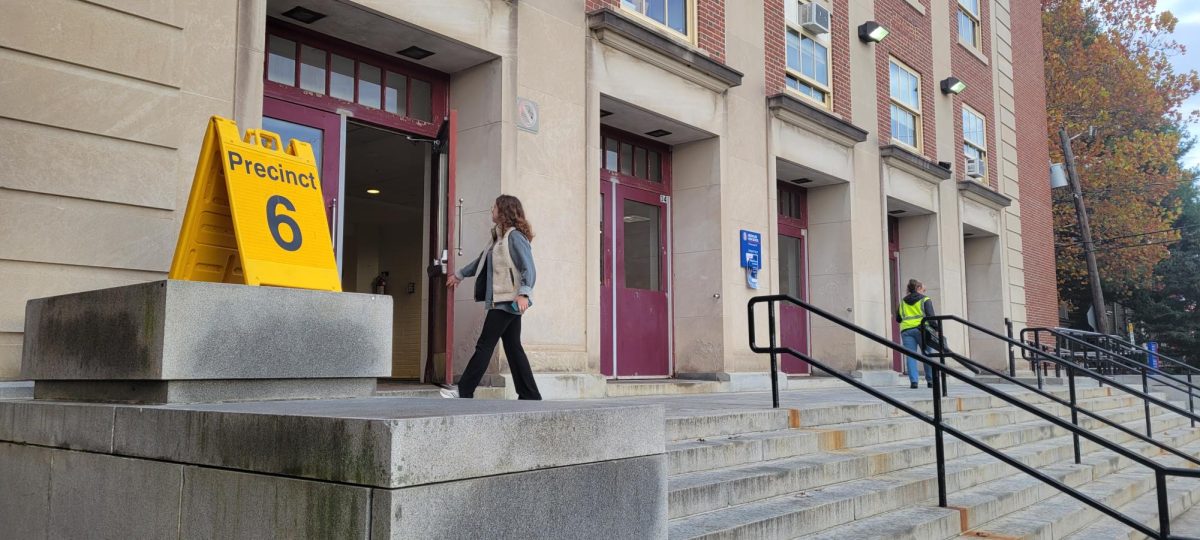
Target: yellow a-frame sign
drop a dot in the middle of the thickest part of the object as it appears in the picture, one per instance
(255, 215)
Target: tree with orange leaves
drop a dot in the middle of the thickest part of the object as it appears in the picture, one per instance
(1108, 67)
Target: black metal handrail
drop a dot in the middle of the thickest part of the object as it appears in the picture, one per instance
(940, 427)
(1103, 355)
(1071, 368)
(1131, 346)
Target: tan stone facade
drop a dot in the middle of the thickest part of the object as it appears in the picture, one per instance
(121, 91)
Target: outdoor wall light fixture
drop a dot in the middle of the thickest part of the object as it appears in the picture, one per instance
(952, 85)
(872, 32)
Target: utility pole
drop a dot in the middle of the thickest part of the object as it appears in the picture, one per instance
(1085, 231)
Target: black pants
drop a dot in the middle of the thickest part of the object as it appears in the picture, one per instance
(500, 325)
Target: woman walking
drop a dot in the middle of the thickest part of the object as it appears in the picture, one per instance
(911, 314)
(504, 284)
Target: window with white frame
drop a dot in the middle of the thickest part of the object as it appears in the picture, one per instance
(906, 105)
(807, 58)
(673, 14)
(975, 138)
(968, 22)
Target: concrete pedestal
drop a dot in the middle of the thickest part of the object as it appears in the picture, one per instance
(350, 468)
(183, 341)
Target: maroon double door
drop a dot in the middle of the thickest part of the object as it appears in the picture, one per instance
(635, 182)
(793, 274)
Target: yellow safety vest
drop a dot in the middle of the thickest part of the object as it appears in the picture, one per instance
(911, 315)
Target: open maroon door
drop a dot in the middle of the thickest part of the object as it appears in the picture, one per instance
(320, 129)
(793, 274)
(443, 230)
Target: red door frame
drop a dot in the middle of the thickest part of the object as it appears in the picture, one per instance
(331, 148)
(793, 320)
(320, 111)
(615, 188)
(893, 232)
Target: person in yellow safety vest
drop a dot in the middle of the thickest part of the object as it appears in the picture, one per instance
(911, 314)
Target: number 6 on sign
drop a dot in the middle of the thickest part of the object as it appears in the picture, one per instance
(275, 220)
(225, 237)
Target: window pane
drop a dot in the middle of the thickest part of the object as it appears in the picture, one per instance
(636, 5)
(369, 85)
(677, 15)
(894, 79)
(642, 257)
(639, 162)
(793, 51)
(970, 5)
(793, 83)
(312, 69)
(288, 131)
(792, 11)
(626, 159)
(790, 278)
(807, 63)
(657, 10)
(395, 93)
(973, 128)
(281, 60)
(421, 101)
(655, 166)
(610, 154)
(822, 58)
(904, 126)
(966, 28)
(341, 78)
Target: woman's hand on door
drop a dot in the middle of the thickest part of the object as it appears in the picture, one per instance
(452, 281)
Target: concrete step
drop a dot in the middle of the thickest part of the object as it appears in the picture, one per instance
(710, 426)
(1019, 506)
(661, 387)
(732, 450)
(804, 510)
(705, 491)
(908, 524)
(1061, 516)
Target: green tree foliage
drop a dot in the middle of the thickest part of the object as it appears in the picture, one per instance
(1170, 312)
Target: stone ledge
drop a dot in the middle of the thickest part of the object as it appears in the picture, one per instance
(983, 194)
(626, 34)
(795, 111)
(897, 156)
(378, 442)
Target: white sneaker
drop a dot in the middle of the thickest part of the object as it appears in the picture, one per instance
(448, 393)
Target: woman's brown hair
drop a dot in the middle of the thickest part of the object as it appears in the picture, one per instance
(512, 215)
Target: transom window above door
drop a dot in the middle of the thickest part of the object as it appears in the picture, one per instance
(316, 68)
(675, 15)
(633, 160)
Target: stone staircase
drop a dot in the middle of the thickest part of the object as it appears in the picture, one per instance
(866, 470)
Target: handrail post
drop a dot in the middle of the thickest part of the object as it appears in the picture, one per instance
(1074, 412)
(938, 437)
(942, 356)
(774, 355)
(1012, 359)
(1164, 509)
(1037, 369)
(1146, 390)
(1191, 402)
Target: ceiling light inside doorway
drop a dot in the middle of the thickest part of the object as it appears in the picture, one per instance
(304, 15)
(636, 219)
(415, 52)
(658, 133)
(895, 212)
(372, 191)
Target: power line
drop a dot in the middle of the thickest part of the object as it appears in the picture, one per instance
(1147, 244)
(1136, 235)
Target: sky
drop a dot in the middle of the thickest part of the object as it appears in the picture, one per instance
(1187, 33)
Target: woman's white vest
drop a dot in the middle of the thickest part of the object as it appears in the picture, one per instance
(505, 277)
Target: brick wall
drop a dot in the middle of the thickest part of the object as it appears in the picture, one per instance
(1037, 222)
(710, 24)
(910, 42)
(775, 27)
(978, 75)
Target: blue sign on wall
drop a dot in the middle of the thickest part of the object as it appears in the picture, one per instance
(751, 250)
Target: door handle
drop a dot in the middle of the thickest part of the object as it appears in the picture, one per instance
(458, 230)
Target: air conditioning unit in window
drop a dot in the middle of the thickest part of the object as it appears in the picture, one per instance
(975, 168)
(814, 18)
